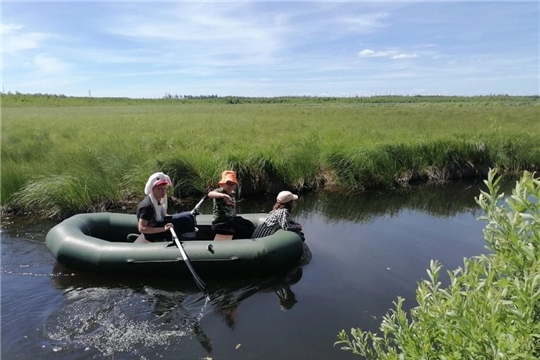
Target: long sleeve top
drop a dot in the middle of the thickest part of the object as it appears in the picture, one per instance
(276, 219)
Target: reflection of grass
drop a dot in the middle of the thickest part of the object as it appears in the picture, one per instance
(438, 200)
(105, 150)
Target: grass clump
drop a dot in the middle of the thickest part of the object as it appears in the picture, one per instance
(491, 307)
(63, 195)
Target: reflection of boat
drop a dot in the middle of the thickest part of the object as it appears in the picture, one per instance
(98, 242)
(167, 302)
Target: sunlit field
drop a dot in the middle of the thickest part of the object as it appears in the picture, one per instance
(63, 155)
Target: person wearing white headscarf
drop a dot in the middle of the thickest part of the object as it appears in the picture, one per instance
(153, 221)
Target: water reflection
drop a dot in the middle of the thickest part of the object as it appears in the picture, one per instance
(170, 308)
(439, 200)
(227, 299)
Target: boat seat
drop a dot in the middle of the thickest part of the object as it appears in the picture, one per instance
(189, 235)
(139, 238)
(133, 237)
(222, 237)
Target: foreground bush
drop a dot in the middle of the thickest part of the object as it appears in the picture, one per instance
(491, 307)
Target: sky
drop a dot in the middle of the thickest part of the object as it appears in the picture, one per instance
(141, 49)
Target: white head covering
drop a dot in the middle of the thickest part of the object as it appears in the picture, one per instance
(160, 209)
(286, 196)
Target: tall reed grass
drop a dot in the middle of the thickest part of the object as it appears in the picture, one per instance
(63, 159)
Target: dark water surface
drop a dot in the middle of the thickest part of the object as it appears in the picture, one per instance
(365, 251)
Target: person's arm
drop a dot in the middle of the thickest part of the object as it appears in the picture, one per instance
(220, 195)
(145, 214)
(285, 223)
(145, 229)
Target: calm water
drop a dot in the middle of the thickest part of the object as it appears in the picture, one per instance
(365, 251)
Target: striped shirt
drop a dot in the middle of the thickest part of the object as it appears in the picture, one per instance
(276, 219)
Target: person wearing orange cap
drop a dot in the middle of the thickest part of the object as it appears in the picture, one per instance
(153, 221)
(279, 217)
(225, 221)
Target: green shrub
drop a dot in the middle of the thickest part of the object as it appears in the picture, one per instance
(491, 307)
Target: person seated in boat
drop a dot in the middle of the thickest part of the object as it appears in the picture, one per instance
(225, 220)
(279, 217)
(153, 221)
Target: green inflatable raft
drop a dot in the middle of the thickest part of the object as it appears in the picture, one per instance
(101, 242)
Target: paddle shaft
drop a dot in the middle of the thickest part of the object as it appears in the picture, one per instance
(200, 283)
(195, 210)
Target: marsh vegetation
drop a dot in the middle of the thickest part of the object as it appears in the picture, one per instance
(63, 155)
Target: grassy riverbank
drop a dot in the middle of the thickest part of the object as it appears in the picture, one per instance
(64, 155)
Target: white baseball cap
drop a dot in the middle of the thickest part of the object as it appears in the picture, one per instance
(286, 196)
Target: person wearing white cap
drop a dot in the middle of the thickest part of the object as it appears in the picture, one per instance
(279, 217)
(153, 221)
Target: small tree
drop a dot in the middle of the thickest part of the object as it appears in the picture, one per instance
(490, 310)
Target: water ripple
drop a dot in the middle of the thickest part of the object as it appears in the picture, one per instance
(118, 320)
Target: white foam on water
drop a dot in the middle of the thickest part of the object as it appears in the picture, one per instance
(114, 321)
(201, 313)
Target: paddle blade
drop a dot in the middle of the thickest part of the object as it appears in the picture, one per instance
(200, 283)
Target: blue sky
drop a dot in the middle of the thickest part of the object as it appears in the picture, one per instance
(147, 50)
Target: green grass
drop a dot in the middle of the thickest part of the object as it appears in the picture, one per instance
(103, 150)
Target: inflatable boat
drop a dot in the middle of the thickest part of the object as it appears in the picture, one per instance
(104, 243)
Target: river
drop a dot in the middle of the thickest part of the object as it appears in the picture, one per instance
(363, 251)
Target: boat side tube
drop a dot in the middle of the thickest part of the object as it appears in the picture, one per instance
(97, 242)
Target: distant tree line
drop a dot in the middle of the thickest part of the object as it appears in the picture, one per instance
(16, 93)
(190, 97)
(382, 99)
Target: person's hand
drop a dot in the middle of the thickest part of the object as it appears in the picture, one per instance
(227, 199)
(168, 226)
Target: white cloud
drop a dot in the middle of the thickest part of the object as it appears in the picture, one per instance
(224, 31)
(13, 40)
(44, 65)
(420, 46)
(392, 54)
(9, 28)
(362, 23)
(403, 56)
(371, 53)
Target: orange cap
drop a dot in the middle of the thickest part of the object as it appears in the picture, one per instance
(228, 175)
